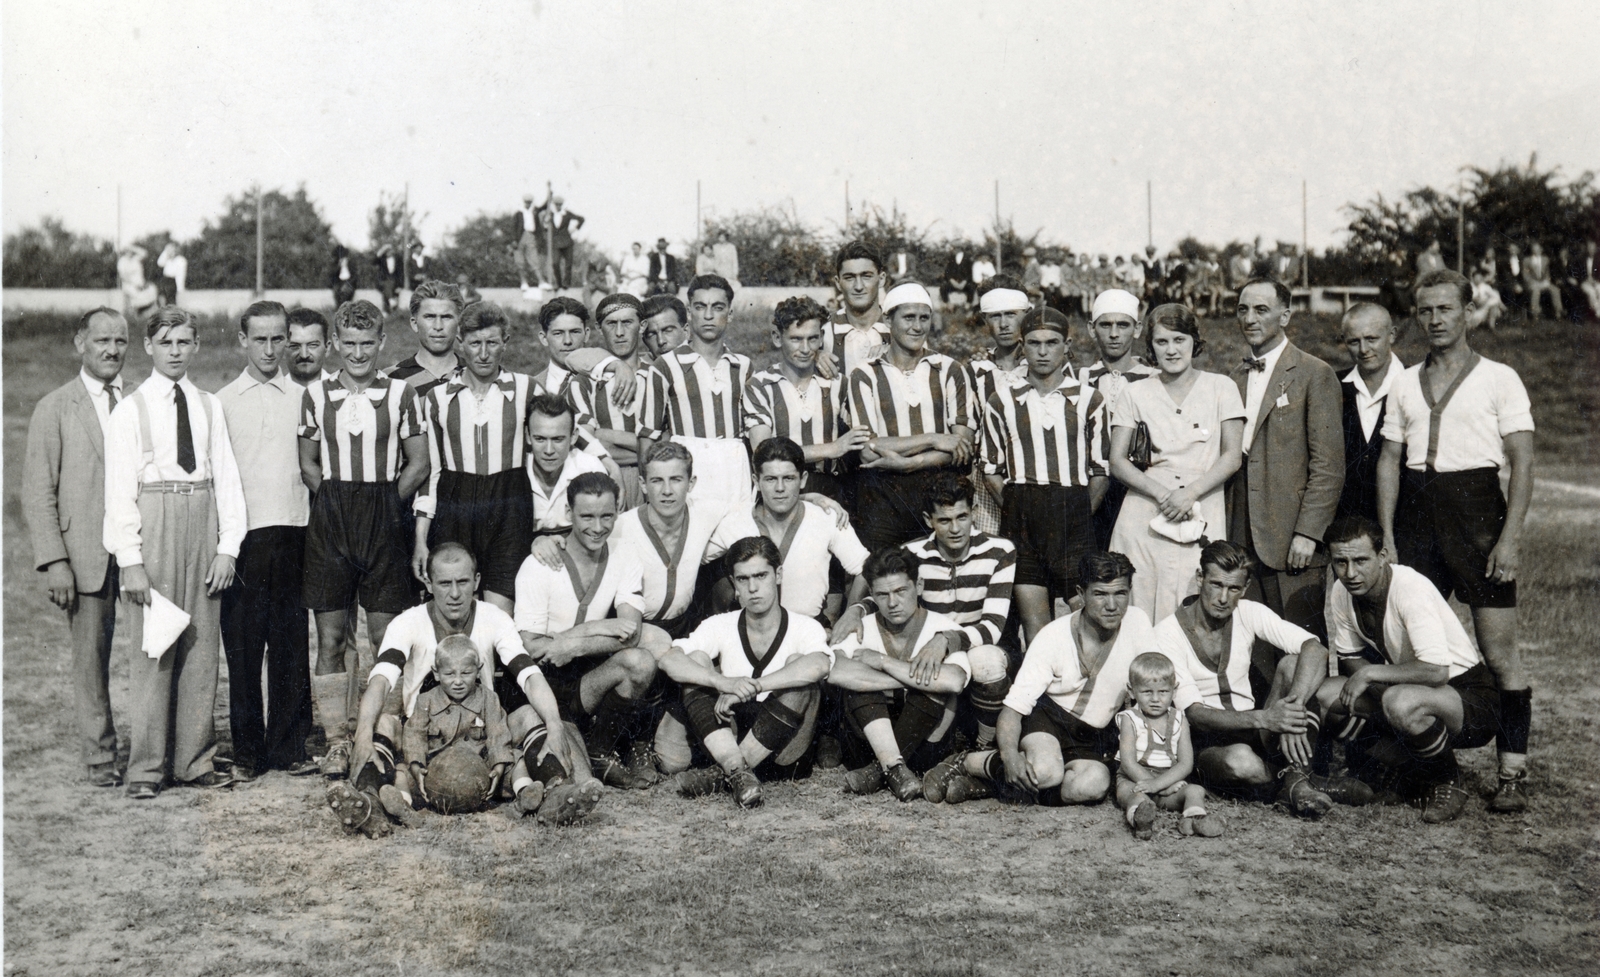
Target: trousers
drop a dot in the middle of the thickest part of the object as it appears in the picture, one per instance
(262, 620)
(93, 623)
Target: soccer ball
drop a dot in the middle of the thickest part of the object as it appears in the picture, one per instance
(457, 780)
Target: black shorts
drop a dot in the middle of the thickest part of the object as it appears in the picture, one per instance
(1205, 739)
(1480, 707)
(889, 505)
(1446, 529)
(492, 516)
(564, 682)
(358, 545)
(1079, 740)
(1051, 529)
(1105, 517)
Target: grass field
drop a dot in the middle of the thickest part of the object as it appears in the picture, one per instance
(260, 881)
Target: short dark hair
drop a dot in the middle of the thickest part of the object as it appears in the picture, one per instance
(309, 317)
(358, 314)
(617, 300)
(559, 306)
(666, 450)
(171, 317)
(260, 310)
(1002, 280)
(857, 250)
(948, 489)
(657, 304)
(751, 547)
(889, 561)
(1176, 317)
(433, 288)
(450, 550)
(1225, 556)
(797, 309)
(1096, 568)
(484, 315)
(592, 483)
(1285, 297)
(709, 281)
(780, 448)
(87, 319)
(1445, 276)
(1348, 529)
(550, 405)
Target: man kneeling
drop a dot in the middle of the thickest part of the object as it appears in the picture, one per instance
(723, 666)
(893, 701)
(1412, 676)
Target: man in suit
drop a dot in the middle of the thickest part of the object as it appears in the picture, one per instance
(957, 277)
(663, 275)
(1287, 490)
(64, 502)
(1368, 332)
(562, 223)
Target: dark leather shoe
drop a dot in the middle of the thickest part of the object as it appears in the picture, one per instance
(303, 768)
(215, 780)
(905, 785)
(143, 792)
(242, 774)
(104, 775)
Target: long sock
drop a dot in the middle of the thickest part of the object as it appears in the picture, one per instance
(776, 725)
(994, 770)
(328, 698)
(1516, 716)
(611, 718)
(701, 705)
(987, 699)
(1436, 762)
(918, 717)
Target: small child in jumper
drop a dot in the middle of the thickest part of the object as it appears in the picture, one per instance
(1155, 754)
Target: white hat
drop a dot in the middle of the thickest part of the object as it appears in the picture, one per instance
(906, 293)
(1114, 300)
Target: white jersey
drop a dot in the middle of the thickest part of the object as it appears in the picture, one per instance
(723, 639)
(814, 539)
(1418, 625)
(1225, 684)
(934, 623)
(550, 602)
(412, 638)
(1054, 667)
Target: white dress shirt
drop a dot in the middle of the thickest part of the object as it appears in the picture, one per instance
(1255, 388)
(97, 396)
(126, 471)
(550, 509)
(263, 417)
(1369, 404)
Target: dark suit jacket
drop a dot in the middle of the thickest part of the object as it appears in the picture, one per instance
(1291, 478)
(958, 271)
(1360, 494)
(562, 229)
(64, 484)
(669, 274)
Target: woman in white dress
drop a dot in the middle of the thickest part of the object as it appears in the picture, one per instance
(1196, 424)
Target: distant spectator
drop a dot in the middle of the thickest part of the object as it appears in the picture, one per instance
(1514, 290)
(1431, 260)
(562, 223)
(957, 277)
(1487, 306)
(1589, 282)
(528, 244)
(1569, 282)
(706, 262)
(1103, 276)
(901, 267)
(390, 274)
(1155, 274)
(1536, 278)
(600, 278)
(1050, 279)
(1031, 274)
(174, 270)
(1491, 266)
(417, 265)
(982, 270)
(341, 277)
(1241, 268)
(137, 293)
(1134, 275)
(1286, 264)
(635, 273)
(469, 294)
(663, 270)
(725, 258)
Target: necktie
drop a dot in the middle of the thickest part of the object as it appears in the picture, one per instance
(1256, 363)
(111, 393)
(185, 435)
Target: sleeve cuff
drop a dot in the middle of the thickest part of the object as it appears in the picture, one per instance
(388, 671)
(131, 557)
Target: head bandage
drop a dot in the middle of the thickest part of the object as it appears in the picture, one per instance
(1004, 300)
(909, 293)
(1115, 300)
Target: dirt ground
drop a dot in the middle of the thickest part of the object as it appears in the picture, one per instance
(259, 880)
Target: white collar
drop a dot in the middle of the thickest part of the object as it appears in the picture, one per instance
(1270, 357)
(280, 380)
(1354, 376)
(97, 386)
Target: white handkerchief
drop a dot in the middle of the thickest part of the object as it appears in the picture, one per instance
(164, 623)
(1283, 400)
(1187, 531)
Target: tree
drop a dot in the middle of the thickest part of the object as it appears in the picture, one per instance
(775, 247)
(50, 256)
(298, 244)
(392, 223)
(481, 250)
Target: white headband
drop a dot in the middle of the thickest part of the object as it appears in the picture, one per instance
(1114, 300)
(1004, 300)
(906, 293)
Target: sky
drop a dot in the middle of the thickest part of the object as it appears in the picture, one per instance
(1224, 107)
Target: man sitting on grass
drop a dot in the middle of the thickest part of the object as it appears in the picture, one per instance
(755, 671)
(890, 703)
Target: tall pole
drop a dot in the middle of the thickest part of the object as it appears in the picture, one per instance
(119, 217)
(1305, 247)
(999, 253)
(260, 247)
(405, 237)
(1461, 234)
(1149, 214)
(847, 206)
(697, 223)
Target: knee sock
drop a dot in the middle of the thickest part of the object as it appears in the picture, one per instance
(987, 699)
(865, 707)
(328, 697)
(1516, 715)
(918, 717)
(550, 771)
(611, 717)
(1436, 762)
(701, 705)
(994, 770)
(776, 725)
(1348, 727)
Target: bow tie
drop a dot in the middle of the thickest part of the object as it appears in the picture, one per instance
(1256, 363)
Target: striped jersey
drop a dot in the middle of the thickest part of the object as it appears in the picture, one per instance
(1111, 383)
(1155, 742)
(685, 395)
(852, 347)
(418, 376)
(976, 591)
(592, 400)
(988, 376)
(934, 397)
(818, 414)
(1052, 439)
(360, 431)
(475, 437)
